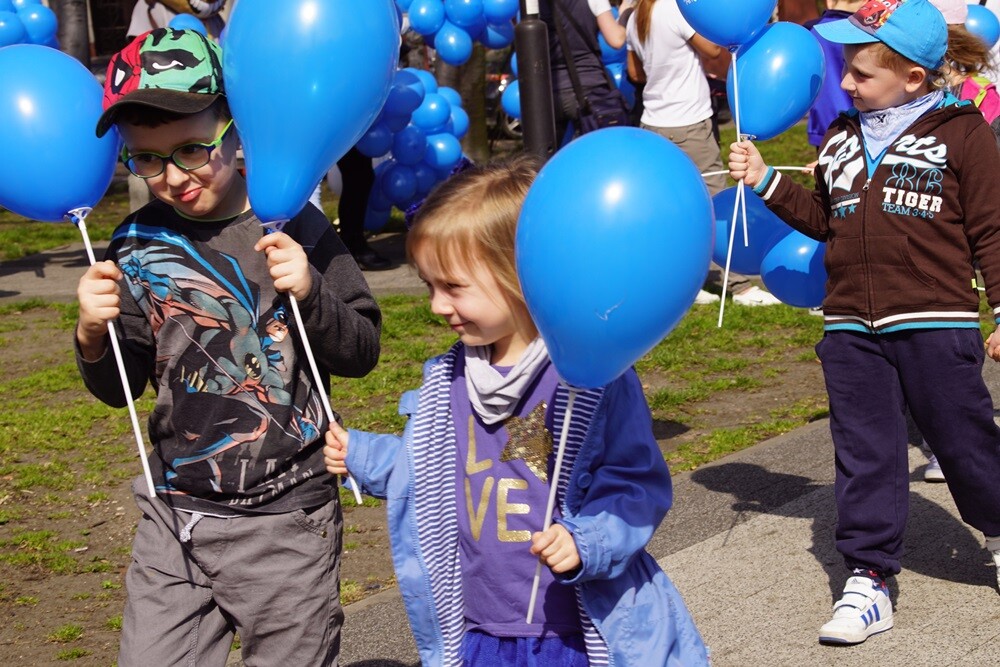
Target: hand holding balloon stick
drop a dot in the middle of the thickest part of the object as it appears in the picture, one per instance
(51, 104)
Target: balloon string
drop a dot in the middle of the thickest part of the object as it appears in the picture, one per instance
(78, 216)
(553, 485)
(317, 378)
(729, 255)
(726, 171)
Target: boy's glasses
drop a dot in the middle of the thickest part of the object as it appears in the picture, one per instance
(187, 157)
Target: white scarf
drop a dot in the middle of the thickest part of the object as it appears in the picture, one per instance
(494, 397)
(880, 128)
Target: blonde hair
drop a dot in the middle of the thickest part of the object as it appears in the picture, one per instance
(643, 18)
(471, 219)
(897, 62)
(967, 54)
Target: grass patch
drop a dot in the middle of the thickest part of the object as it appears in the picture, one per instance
(114, 623)
(67, 633)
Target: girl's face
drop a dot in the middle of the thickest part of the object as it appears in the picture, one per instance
(873, 86)
(471, 301)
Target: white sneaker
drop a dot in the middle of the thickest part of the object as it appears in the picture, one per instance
(817, 311)
(932, 473)
(864, 610)
(993, 545)
(755, 296)
(705, 298)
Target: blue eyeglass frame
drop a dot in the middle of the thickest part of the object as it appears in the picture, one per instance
(215, 143)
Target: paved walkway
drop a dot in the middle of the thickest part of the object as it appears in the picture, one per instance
(749, 543)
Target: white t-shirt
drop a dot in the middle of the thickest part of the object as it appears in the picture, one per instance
(146, 18)
(676, 92)
(993, 6)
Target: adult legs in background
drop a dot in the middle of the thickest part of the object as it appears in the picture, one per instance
(358, 178)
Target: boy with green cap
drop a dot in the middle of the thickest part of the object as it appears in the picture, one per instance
(244, 532)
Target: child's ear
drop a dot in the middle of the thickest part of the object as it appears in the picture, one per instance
(916, 77)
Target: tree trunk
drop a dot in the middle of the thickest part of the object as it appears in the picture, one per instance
(470, 82)
(73, 37)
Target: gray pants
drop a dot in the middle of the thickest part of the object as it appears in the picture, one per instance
(698, 143)
(273, 578)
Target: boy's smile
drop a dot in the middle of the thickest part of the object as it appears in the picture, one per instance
(215, 191)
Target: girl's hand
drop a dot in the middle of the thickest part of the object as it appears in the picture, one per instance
(287, 263)
(556, 548)
(993, 345)
(335, 451)
(746, 164)
(99, 298)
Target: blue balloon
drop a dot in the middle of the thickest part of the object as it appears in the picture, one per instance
(453, 96)
(21, 4)
(793, 270)
(426, 16)
(459, 122)
(376, 141)
(620, 77)
(984, 24)
(443, 151)
(453, 44)
(610, 55)
(11, 29)
(53, 161)
(510, 99)
(432, 114)
(376, 218)
(426, 177)
(498, 11)
(779, 75)
(513, 64)
(296, 114)
(426, 78)
(476, 28)
(727, 22)
(497, 35)
(188, 22)
(403, 5)
(463, 13)
(7, 6)
(409, 145)
(40, 23)
(764, 229)
(399, 183)
(613, 243)
(405, 95)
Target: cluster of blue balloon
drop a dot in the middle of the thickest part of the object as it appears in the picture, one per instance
(983, 23)
(27, 22)
(451, 26)
(419, 128)
(614, 62)
(789, 263)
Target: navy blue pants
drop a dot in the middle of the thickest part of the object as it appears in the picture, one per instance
(870, 381)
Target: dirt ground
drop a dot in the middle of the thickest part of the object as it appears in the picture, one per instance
(73, 618)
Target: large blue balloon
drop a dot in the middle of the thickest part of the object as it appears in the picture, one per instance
(510, 99)
(498, 11)
(296, 109)
(779, 75)
(613, 244)
(727, 22)
(52, 161)
(764, 229)
(984, 24)
(11, 29)
(793, 270)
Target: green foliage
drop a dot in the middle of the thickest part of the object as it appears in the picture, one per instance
(67, 633)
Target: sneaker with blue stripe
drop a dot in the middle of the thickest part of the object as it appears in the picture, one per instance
(864, 610)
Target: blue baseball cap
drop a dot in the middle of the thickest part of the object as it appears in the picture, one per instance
(915, 29)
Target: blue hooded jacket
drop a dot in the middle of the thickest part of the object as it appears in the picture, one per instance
(614, 490)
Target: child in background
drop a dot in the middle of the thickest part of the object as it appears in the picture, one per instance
(831, 99)
(244, 532)
(905, 199)
(468, 482)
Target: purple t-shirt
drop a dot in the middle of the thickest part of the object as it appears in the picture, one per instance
(502, 487)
